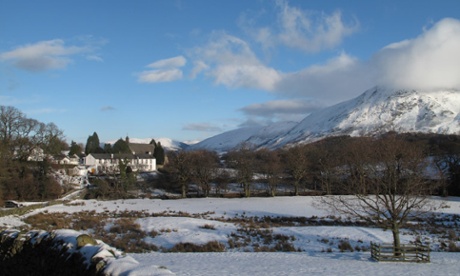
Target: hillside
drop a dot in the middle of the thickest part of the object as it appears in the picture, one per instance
(258, 135)
(377, 110)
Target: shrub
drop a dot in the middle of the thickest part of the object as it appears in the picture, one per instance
(212, 246)
(208, 226)
(453, 247)
(344, 245)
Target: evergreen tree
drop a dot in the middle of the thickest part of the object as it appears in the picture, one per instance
(75, 148)
(159, 154)
(152, 142)
(92, 144)
(108, 148)
(121, 146)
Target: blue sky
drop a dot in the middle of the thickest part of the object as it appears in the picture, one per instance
(188, 70)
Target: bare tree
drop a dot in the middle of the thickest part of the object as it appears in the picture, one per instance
(180, 168)
(298, 165)
(222, 180)
(242, 160)
(204, 165)
(383, 183)
(446, 157)
(269, 165)
(20, 135)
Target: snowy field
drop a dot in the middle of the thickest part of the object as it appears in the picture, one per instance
(314, 242)
(305, 263)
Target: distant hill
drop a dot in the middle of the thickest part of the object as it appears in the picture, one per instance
(166, 143)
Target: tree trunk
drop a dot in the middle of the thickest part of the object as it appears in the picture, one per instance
(296, 188)
(184, 190)
(396, 240)
(206, 190)
(247, 191)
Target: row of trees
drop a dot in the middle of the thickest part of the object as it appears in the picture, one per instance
(20, 138)
(324, 166)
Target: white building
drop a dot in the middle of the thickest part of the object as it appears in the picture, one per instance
(109, 163)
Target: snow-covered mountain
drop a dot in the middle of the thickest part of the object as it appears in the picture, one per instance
(377, 110)
(257, 135)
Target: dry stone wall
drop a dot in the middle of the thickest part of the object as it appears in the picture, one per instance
(61, 252)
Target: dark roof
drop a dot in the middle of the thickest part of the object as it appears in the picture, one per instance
(137, 148)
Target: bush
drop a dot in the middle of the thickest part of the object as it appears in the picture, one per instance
(212, 246)
(453, 247)
(208, 226)
(344, 245)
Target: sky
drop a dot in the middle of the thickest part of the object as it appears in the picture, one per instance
(189, 70)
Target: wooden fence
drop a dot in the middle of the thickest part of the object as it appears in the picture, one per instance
(407, 253)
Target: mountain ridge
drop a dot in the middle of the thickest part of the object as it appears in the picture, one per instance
(377, 110)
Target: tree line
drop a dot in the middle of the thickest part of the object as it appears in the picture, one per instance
(21, 177)
(323, 167)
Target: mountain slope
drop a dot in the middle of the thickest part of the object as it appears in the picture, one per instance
(377, 110)
(380, 110)
(258, 135)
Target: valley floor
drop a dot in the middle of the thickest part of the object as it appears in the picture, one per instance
(202, 220)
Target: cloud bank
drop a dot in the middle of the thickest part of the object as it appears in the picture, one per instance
(429, 61)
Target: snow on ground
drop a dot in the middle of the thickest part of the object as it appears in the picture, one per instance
(279, 206)
(305, 263)
(313, 241)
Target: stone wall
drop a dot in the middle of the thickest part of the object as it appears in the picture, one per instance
(61, 252)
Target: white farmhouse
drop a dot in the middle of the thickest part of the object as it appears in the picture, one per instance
(109, 163)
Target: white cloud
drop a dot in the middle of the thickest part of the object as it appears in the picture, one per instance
(199, 66)
(166, 70)
(231, 62)
(336, 80)
(429, 61)
(312, 31)
(43, 55)
(152, 76)
(94, 58)
(305, 30)
(174, 62)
